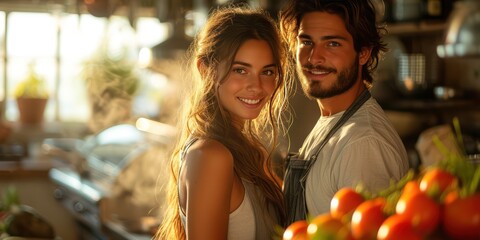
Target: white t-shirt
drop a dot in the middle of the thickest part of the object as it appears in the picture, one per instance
(366, 149)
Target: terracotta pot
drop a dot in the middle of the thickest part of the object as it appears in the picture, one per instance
(31, 110)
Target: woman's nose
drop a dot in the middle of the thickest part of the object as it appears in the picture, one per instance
(254, 83)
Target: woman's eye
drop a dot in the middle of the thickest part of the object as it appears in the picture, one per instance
(239, 70)
(269, 72)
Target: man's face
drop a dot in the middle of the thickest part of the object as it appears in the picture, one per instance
(327, 62)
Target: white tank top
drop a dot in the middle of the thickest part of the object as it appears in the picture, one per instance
(241, 222)
(241, 225)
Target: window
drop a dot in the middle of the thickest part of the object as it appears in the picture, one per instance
(58, 45)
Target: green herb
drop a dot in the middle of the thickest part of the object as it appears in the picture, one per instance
(10, 198)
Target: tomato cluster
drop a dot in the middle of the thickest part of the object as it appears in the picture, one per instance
(436, 204)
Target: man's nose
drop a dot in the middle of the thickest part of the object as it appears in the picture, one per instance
(316, 55)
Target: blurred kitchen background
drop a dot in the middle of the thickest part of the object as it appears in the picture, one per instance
(92, 156)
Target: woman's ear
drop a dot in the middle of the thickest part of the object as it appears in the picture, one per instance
(201, 66)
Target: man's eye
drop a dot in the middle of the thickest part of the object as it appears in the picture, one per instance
(306, 42)
(333, 44)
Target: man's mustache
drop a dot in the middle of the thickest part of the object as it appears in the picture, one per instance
(311, 67)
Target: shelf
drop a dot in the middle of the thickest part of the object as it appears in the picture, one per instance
(431, 105)
(413, 28)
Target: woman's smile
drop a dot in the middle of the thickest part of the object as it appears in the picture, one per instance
(250, 101)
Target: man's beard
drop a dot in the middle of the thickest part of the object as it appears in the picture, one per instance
(345, 80)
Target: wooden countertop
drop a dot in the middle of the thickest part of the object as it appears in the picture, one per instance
(28, 163)
(116, 231)
(25, 167)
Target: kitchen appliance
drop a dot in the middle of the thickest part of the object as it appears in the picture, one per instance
(112, 177)
(412, 79)
(406, 10)
(384, 88)
(446, 93)
(175, 46)
(12, 152)
(462, 37)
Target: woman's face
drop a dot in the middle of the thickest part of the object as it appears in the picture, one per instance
(250, 82)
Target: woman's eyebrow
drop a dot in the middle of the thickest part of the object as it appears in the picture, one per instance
(250, 65)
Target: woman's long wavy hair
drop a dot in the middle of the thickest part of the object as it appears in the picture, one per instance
(359, 19)
(215, 48)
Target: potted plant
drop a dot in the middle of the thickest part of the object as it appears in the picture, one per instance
(111, 82)
(31, 96)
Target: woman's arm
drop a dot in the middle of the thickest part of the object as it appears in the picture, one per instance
(209, 177)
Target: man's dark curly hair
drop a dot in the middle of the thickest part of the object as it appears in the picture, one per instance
(359, 19)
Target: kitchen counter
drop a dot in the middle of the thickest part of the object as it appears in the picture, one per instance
(19, 173)
(116, 231)
(29, 177)
(24, 167)
(30, 171)
(20, 152)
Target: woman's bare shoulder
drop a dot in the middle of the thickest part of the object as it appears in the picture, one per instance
(207, 156)
(208, 149)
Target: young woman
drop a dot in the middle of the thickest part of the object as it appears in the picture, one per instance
(223, 185)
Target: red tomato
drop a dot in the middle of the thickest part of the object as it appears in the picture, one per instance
(450, 197)
(412, 187)
(462, 218)
(344, 203)
(296, 231)
(367, 218)
(423, 211)
(436, 181)
(397, 227)
(325, 226)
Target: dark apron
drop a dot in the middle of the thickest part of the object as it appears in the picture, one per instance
(297, 168)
